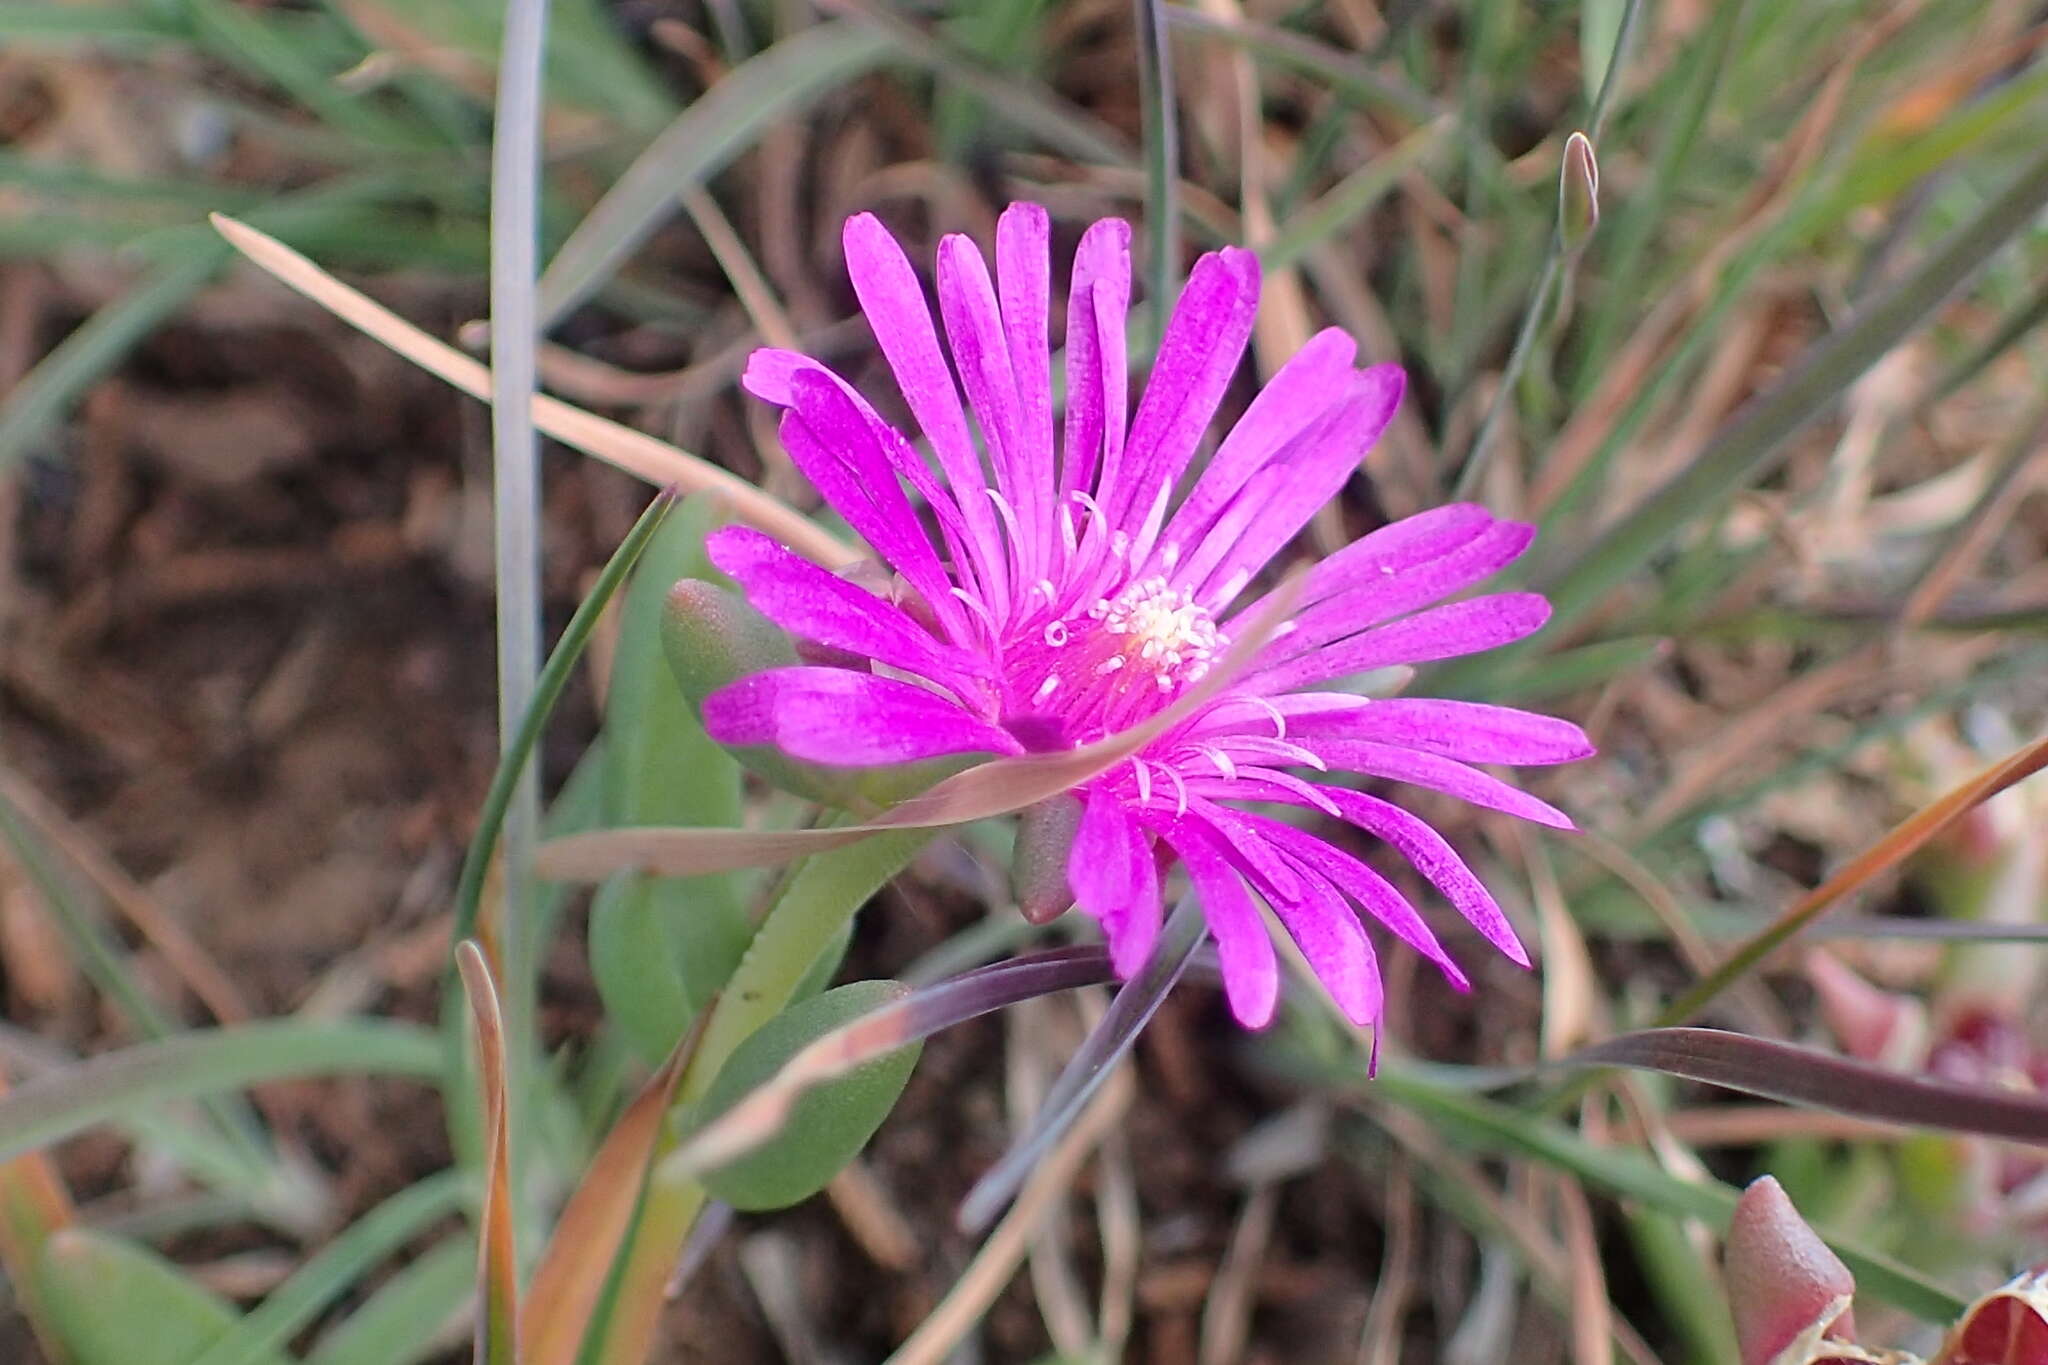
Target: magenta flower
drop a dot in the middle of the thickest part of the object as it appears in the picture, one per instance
(1069, 596)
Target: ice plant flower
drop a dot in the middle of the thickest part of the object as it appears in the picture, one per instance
(1067, 595)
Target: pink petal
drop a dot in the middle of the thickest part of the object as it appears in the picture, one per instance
(981, 350)
(1241, 844)
(846, 718)
(1397, 591)
(1317, 463)
(1251, 970)
(1115, 879)
(1439, 774)
(1130, 946)
(1334, 943)
(841, 454)
(1445, 632)
(1294, 398)
(1397, 546)
(817, 605)
(1436, 860)
(1099, 868)
(1023, 275)
(1197, 356)
(1374, 893)
(1469, 731)
(1411, 540)
(1098, 373)
(893, 300)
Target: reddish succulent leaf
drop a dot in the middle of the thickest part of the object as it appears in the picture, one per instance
(2006, 1327)
(596, 1224)
(1786, 1289)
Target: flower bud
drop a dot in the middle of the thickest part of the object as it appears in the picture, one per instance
(713, 638)
(1788, 1292)
(1870, 1023)
(1578, 192)
(1038, 866)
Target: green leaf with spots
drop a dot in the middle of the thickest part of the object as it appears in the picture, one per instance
(830, 1123)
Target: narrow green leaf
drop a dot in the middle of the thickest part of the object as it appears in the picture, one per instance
(659, 947)
(115, 1303)
(1632, 1175)
(269, 1327)
(398, 1325)
(548, 690)
(703, 140)
(95, 347)
(117, 1085)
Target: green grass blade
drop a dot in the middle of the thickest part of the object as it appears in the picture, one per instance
(95, 347)
(1631, 1175)
(118, 1085)
(703, 140)
(1162, 165)
(553, 678)
(1748, 447)
(398, 1324)
(382, 1231)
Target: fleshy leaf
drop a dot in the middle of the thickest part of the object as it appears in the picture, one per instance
(1786, 1289)
(2008, 1326)
(829, 1124)
(115, 1303)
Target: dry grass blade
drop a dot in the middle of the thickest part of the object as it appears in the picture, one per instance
(760, 1115)
(999, 1256)
(497, 1331)
(633, 451)
(569, 1284)
(1798, 1075)
(999, 787)
(184, 954)
(1907, 837)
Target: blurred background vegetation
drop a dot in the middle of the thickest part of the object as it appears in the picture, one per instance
(1780, 412)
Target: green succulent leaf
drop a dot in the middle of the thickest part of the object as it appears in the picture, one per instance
(831, 1123)
(115, 1303)
(659, 947)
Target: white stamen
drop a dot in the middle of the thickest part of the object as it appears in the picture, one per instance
(1109, 665)
(980, 609)
(1094, 510)
(1008, 513)
(1144, 781)
(1056, 633)
(1047, 688)
(1222, 761)
(1279, 719)
(1180, 791)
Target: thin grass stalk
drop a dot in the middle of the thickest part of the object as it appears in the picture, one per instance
(1162, 163)
(554, 677)
(1555, 258)
(515, 450)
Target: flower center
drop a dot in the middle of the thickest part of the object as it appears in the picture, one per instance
(1164, 633)
(1112, 665)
